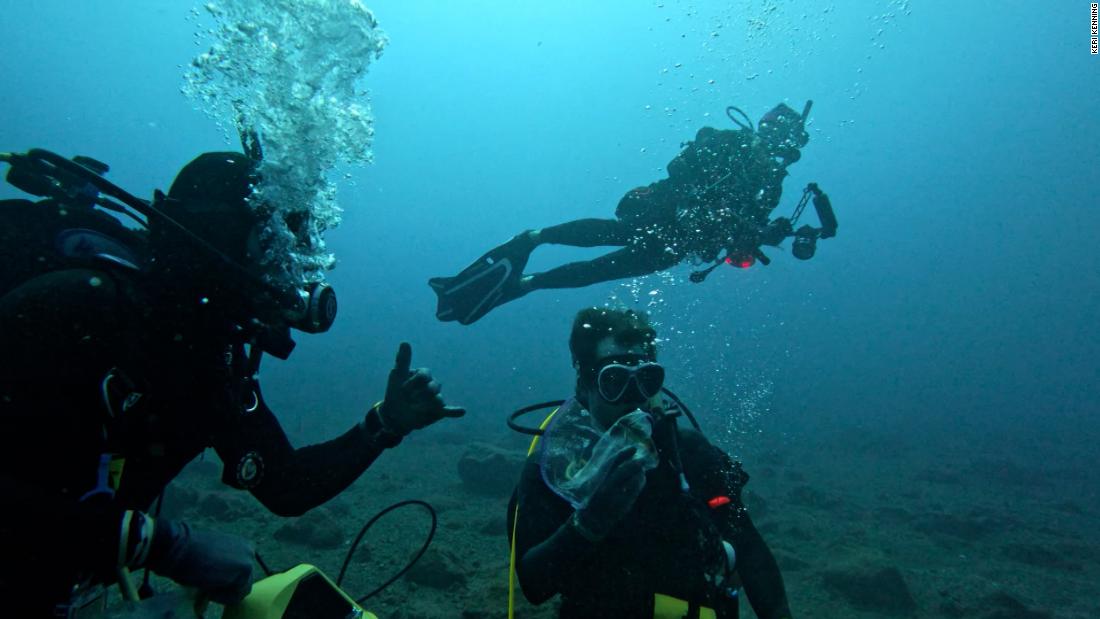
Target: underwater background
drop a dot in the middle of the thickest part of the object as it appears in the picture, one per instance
(917, 404)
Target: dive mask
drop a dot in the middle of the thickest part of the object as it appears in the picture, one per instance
(614, 380)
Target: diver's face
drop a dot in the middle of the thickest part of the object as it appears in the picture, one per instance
(609, 351)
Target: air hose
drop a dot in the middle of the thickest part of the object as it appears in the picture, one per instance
(359, 538)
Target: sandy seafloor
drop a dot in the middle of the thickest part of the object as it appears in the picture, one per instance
(859, 523)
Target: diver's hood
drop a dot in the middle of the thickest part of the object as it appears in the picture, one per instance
(784, 128)
(210, 197)
(780, 114)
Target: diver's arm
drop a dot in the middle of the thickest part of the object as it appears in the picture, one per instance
(715, 474)
(37, 523)
(292, 481)
(776, 231)
(755, 563)
(60, 334)
(559, 556)
(549, 548)
(759, 573)
(544, 569)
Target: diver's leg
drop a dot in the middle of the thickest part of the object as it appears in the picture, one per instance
(586, 233)
(630, 261)
(509, 259)
(497, 277)
(577, 233)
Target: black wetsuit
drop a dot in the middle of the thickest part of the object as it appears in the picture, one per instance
(667, 544)
(175, 389)
(721, 188)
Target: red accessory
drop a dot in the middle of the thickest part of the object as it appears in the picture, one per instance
(741, 262)
(718, 501)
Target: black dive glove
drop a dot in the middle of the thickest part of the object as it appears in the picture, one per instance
(412, 397)
(217, 564)
(613, 499)
(776, 231)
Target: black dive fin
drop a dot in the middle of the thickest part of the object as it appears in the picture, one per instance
(491, 280)
(470, 295)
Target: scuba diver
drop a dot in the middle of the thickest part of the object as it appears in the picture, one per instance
(125, 352)
(713, 208)
(623, 513)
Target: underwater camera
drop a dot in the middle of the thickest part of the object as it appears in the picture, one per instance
(805, 243)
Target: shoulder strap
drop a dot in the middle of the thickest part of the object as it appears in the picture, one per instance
(515, 526)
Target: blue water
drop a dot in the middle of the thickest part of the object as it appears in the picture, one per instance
(959, 143)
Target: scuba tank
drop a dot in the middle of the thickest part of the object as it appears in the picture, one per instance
(77, 188)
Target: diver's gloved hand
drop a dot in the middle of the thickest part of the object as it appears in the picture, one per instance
(614, 498)
(776, 231)
(412, 397)
(217, 564)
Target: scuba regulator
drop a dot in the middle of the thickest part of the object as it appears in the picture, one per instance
(79, 182)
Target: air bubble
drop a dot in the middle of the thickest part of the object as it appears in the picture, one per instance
(289, 70)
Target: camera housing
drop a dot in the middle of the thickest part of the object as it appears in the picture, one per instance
(805, 243)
